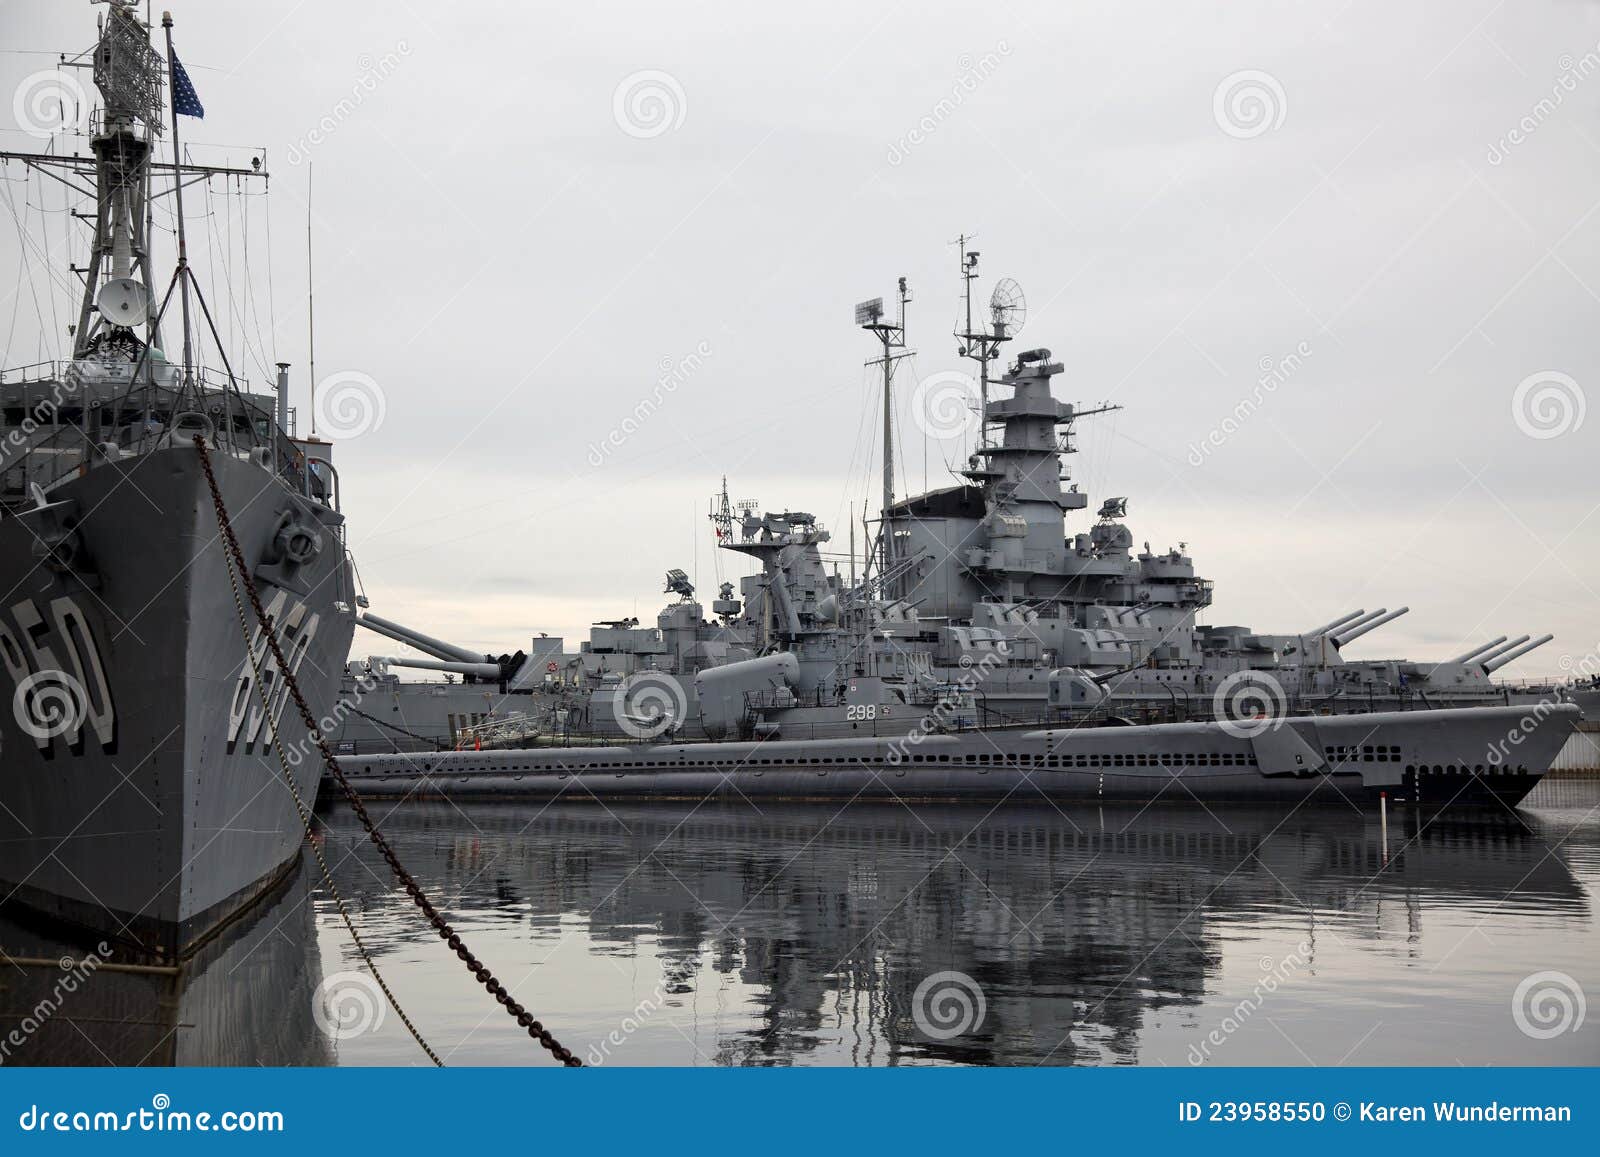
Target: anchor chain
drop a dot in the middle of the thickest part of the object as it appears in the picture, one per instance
(442, 926)
(398, 730)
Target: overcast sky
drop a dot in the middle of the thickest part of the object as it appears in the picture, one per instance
(523, 211)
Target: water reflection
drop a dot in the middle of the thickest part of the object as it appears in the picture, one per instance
(244, 998)
(810, 934)
(786, 934)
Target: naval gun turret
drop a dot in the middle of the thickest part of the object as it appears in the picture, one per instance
(447, 657)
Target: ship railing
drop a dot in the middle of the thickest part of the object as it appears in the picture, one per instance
(36, 372)
(499, 730)
(58, 442)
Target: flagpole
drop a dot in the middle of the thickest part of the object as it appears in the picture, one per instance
(177, 188)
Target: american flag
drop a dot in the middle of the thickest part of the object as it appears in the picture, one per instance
(184, 101)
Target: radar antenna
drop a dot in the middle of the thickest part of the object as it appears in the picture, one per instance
(1008, 308)
(892, 336)
(1007, 311)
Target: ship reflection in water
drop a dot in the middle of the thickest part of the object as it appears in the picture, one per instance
(670, 934)
(248, 995)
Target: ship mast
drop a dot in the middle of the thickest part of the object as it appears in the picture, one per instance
(981, 346)
(892, 337)
(177, 193)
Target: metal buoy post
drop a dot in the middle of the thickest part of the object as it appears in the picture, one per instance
(1383, 818)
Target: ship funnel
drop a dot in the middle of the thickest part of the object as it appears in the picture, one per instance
(1498, 651)
(438, 648)
(1028, 357)
(1476, 651)
(1353, 632)
(1510, 656)
(1339, 622)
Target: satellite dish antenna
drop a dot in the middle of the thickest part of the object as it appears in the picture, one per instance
(122, 301)
(1008, 307)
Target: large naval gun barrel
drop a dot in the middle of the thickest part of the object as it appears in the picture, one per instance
(1353, 632)
(1505, 657)
(1498, 651)
(1342, 620)
(438, 648)
(480, 670)
(1476, 651)
(1333, 636)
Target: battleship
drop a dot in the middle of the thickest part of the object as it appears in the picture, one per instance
(996, 603)
(144, 802)
(989, 650)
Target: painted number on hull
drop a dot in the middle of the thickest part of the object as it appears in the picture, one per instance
(59, 685)
(855, 711)
(295, 630)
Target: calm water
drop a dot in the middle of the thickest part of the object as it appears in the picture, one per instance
(799, 934)
(725, 934)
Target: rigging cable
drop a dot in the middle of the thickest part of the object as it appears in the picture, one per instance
(446, 932)
(255, 655)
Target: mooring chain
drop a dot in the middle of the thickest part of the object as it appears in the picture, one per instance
(287, 778)
(395, 727)
(448, 934)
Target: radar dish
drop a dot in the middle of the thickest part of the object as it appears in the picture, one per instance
(122, 301)
(1008, 307)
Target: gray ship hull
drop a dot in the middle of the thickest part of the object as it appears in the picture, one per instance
(163, 811)
(1438, 759)
(204, 1010)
